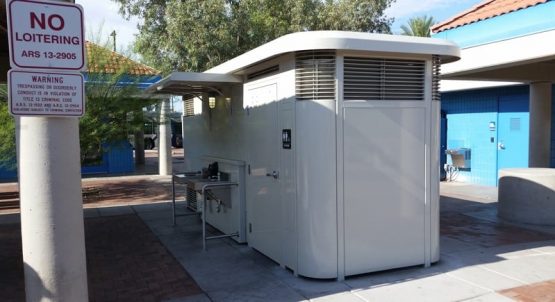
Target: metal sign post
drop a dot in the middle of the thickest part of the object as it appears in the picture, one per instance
(46, 46)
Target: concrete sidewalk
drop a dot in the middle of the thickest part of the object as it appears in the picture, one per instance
(482, 259)
(466, 191)
(142, 186)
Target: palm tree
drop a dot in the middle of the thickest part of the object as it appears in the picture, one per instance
(418, 26)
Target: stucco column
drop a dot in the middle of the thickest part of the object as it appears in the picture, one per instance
(51, 204)
(51, 209)
(139, 138)
(164, 140)
(540, 124)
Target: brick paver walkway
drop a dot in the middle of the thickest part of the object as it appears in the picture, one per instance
(143, 186)
(102, 192)
(125, 190)
(538, 292)
(125, 262)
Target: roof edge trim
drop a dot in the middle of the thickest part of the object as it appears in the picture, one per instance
(341, 40)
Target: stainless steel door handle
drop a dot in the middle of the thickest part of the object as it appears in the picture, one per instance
(274, 174)
(501, 146)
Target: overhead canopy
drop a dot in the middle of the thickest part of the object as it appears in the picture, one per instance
(502, 40)
(192, 84)
(523, 59)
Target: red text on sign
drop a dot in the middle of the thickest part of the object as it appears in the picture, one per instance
(55, 21)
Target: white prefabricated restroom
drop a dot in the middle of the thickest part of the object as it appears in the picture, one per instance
(334, 139)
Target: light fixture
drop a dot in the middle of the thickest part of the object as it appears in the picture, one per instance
(212, 102)
(228, 105)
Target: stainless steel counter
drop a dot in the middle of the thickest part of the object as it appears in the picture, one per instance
(203, 187)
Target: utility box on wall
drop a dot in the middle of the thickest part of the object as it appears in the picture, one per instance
(339, 131)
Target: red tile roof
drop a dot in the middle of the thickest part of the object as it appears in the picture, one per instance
(485, 10)
(103, 60)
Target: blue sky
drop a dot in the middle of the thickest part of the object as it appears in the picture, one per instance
(403, 10)
(101, 17)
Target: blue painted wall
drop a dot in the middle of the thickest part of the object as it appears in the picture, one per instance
(7, 174)
(468, 116)
(117, 159)
(469, 112)
(140, 81)
(523, 22)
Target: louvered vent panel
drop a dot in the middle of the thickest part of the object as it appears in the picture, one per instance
(436, 70)
(383, 79)
(315, 75)
(189, 107)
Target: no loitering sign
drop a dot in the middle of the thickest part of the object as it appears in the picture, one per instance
(46, 35)
(46, 93)
(47, 51)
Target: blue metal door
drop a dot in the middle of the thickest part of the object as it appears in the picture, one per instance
(512, 134)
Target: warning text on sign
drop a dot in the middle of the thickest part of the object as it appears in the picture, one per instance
(45, 94)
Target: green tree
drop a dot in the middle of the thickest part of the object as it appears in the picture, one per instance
(418, 26)
(7, 132)
(112, 98)
(195, 35)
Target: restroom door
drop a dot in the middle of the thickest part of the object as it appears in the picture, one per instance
(264, 207)
(512, 135)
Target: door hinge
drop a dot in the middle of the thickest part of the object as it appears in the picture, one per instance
(250, 227)
(249, 169)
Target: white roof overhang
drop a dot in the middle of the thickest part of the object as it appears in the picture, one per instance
(193, 84)
(528, 58)
(458, 85)
(341, 40)
(186, 83)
